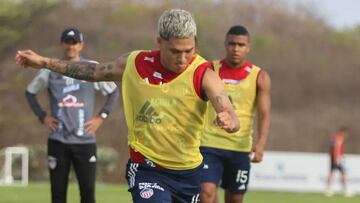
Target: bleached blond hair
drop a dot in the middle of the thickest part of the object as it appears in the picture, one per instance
(176, 23)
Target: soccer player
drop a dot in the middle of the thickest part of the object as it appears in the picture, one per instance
(164, 96)
(336, 153)
(226, 155)
(71, 121)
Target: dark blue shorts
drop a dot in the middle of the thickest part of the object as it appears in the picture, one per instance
(151, 184)
(231, 168)
(337, 166)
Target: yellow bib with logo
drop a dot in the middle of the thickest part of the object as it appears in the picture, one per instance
(164, 121)
(243, 97)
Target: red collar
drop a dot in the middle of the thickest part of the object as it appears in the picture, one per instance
(225, 64)
(237, 74)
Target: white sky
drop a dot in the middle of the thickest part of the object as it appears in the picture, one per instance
(339, 13)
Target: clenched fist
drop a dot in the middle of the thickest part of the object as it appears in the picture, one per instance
(225, 121)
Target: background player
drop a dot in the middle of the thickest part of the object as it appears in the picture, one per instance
(71, 121)
(226, 156)
(336, 154)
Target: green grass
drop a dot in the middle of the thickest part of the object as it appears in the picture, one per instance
(277, 197)
(40, 193)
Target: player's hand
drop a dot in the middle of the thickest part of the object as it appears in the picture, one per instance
(28, 58)
(51, 123)
(225, 121)
(93, 124)
(257, 154)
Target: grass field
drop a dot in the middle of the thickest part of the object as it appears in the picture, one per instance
(40, 193)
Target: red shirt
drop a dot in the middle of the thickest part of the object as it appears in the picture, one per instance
(337, 146)
(151, 70)
(239, 73)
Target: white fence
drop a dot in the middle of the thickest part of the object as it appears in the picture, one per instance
(6, 176)
(301, 172)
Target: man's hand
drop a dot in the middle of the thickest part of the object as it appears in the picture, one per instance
(28, 58)
(225, 121)
(258, 153)
(51, 123)
(214, 90)
(93, 124)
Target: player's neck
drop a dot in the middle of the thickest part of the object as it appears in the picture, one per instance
(235, 65)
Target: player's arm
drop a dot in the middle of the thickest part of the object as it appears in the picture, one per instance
(214, 90)
(111, 91)
(263, 99)
(40, 82)
(112, 96)
(88, 71)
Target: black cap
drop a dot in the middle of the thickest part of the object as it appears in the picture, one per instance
(72, 34)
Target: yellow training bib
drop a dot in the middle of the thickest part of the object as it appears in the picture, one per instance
(164, 121)
(243, 97)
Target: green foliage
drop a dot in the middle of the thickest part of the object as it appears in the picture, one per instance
(16, 17)
(8, 37)
(107, 161)
(264, 42)
(347, 39)
(38, 168)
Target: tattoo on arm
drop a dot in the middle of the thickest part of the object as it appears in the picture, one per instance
(220, 100)
(78, 70)
(88, 71)
(109, 67)
(84, 71)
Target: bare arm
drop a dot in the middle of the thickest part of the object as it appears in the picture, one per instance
(214, 90)
(111, 71)
(263, 108)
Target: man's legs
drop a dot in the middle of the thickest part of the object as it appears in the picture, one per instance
(59, 168)
(208, 192)
(84, 162)
(346, 190)
(233, 198)
(236, 176)
(211, 174)
(343, 181)
(330, 179)
(333, 167)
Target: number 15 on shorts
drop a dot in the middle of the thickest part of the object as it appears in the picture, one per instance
(242, 178)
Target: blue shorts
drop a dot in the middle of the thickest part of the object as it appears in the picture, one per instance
(230, 167)
(151, 184)
(337, 166)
